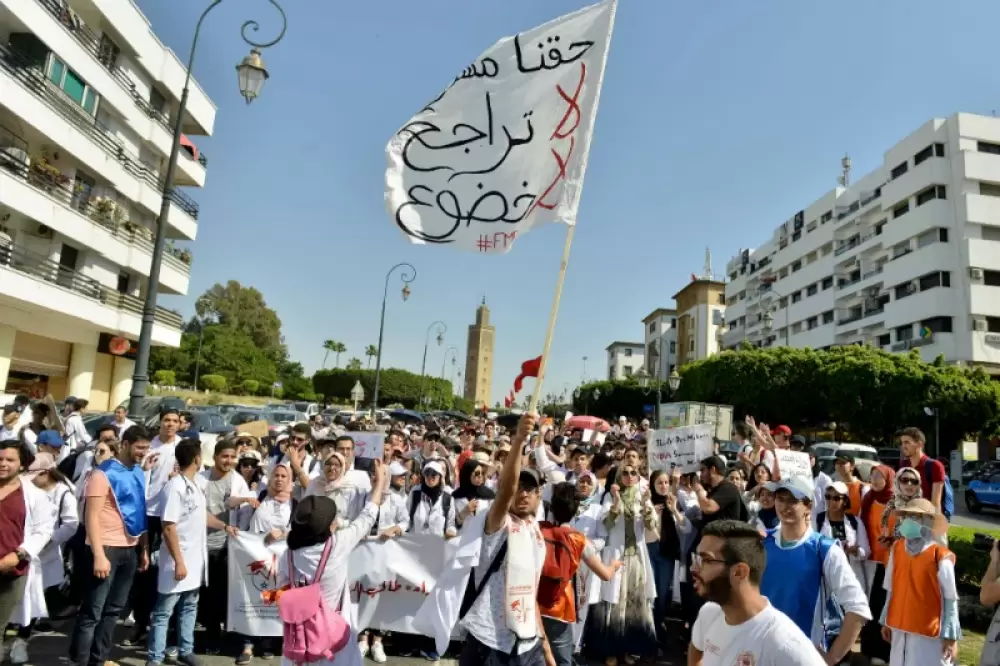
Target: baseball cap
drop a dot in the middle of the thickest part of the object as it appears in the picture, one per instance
(844, 456)
(434, 466)
(840, 487)
(799, 486)
(50, 438)
(529, 478)
(396, 469)
(781, 430)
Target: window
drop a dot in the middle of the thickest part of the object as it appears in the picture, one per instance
(923, 155)
(932, 280)
(904, 290)
(943, 235)
(108, 52)
(123, 280)
(899, 170)
(827, 282)
(926, 238)
(673, 347)
(673, 320)
(828, 316)
(796, 297)
(901, 210)
(986, 147)
(937, 324)
(827, 216)
(722, 299)
(932, 192)
(945, 279)
(70, 83)
(989, 189)
(627, 369)
(991, 278)
(691, 346)
(628, 352)
(652, 327)
(885, 340)
(797, 235)
(812, 323)
(904, 333)
(812, 289)
(938, 150)
(782, 303)
(796, 266)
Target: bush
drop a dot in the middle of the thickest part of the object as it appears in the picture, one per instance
(251, 386)
(215, 383)
(396, 386)
(970, 564)
(165, 378)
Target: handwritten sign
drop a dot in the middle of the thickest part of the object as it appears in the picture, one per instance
(504, 147)
(368, 444)
(793, 463)
(680, 447)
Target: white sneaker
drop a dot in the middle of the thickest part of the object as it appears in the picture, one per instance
(130, 620)
(378, 653)
(19, 652)
(363, 647)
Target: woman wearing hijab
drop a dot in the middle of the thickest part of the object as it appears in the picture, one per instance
(313, 526)
(622, 623)
(873, 507)
(906, 487)
(588, 521)
(472, 495)
(333, 483)
(431, 508)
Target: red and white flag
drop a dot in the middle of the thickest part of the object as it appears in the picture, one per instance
(504, 148)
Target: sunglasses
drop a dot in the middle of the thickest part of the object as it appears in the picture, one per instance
(908, 481)
(629, 473)
(834, 498)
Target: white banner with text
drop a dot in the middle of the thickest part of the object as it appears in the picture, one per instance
(389, 581)
(683, 447)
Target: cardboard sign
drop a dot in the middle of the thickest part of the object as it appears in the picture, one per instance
(680, 447)
(258, 429)
(793, 463)
(368, 444)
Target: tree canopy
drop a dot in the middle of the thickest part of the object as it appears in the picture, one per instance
(396, 386)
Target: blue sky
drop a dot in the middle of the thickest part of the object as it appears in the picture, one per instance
(718, 121)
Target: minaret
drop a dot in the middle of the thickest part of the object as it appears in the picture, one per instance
(479, 359)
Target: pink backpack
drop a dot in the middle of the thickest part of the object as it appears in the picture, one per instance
(312, 630)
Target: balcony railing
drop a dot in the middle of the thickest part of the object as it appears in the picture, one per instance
(856, 316)
(32, 79)
(103, 211)
(42, 268)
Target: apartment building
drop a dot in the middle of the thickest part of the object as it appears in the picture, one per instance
(624, 359)
(701, 308)
(88, 100)
(905, 257)
(660, 338)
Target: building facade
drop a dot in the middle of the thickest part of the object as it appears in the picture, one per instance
(479, 358)
(88, 100)
(907, 257)
(701, 308)
(625, 359)
(660, 342)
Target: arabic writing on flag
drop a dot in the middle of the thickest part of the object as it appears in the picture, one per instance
(505, 146)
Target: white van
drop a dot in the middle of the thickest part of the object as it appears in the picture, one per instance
(859, 451)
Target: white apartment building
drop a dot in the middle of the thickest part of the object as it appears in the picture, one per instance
(906, 257)
(624, 359)
(660, 338)
(88, 99)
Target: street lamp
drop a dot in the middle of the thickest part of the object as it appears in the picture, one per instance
(936, 413)
(644, 383)
(251, 74)
(407, 276)
(674, 381)
(442, 329)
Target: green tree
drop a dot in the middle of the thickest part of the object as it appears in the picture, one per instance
(216, 383)
(244, 310)
(328, 346)
(165, 378)
(397, 386)
(353, 364)
(251, 386)
(371, 351)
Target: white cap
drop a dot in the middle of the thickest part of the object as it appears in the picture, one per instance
(840, 487)
(799, 486)
(434, 466)
(622, 419)
(396, 468)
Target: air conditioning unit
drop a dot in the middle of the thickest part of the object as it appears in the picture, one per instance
(979, 325)
(976, 273)
(44, 231)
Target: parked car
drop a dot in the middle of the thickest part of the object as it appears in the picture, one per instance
(241, 416)
(284, 418)
(730, 450)
(863, 466)
(95, 420)
(307, 408)
(983, 492)
(859, 451)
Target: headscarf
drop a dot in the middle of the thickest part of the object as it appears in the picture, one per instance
(432, 492)
(468, 490)
(588, 500)
(311, 523)
(629, 494)
(883, 497)
(329, 486)
(899, 499)
(655, 497)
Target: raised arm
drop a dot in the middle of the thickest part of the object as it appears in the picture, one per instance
(507, 485)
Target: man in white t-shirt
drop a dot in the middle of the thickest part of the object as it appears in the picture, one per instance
(737, 625)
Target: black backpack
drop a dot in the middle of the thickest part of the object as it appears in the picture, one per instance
(415, 502)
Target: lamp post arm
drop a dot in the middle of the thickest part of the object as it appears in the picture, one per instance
(407, 278)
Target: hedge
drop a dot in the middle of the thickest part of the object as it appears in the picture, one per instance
(396, 386)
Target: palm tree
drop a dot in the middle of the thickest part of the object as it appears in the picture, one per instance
(371, 351)
(329, 346)
(338, 349)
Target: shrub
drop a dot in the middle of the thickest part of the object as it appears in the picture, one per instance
(165, 378)
(251, 386)
(215, 383)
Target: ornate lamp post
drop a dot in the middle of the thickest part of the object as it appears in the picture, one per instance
(442, 329)
(251, 75)
(407, 276)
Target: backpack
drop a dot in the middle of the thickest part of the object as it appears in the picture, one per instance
(68, 465)
(312, 630)
(560, 565)
(445, 507)
(947, 493)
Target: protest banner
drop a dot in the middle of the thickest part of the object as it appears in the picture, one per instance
(389, 581)
(368, 444)
(793, 463)
(680, 447)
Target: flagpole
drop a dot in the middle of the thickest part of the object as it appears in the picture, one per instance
(543, 366)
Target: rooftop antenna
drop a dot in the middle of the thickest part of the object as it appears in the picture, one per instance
(845, 170)
(708, 263)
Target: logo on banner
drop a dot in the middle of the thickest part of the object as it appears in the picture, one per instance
(263, 575)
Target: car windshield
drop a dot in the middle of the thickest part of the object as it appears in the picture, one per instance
(282, 417)
(301, 406)
(863, 454)
(242, 417)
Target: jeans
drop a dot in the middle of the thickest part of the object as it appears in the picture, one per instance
(101, 604)
(560, 635)
(144, 589)
(663, 577)
(475, 653)
(187, 615)
(213, 605)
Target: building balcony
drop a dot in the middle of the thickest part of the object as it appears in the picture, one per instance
(42, 285)
(105, 57)
(112, 151)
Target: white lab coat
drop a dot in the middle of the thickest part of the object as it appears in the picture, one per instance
(38, 524)
(66, 520)
(615, 550)
(183, 504)
(859, 562)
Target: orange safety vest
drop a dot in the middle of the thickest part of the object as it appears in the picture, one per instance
(854, 494)
(880, 552)
(915, 605)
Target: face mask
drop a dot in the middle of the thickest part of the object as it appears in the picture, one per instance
(911, 529)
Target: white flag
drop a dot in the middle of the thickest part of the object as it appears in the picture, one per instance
(505, 146)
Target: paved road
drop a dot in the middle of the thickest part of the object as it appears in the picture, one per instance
(52, 648)
(988, 519)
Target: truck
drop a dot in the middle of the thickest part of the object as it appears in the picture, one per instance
(677, 414)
